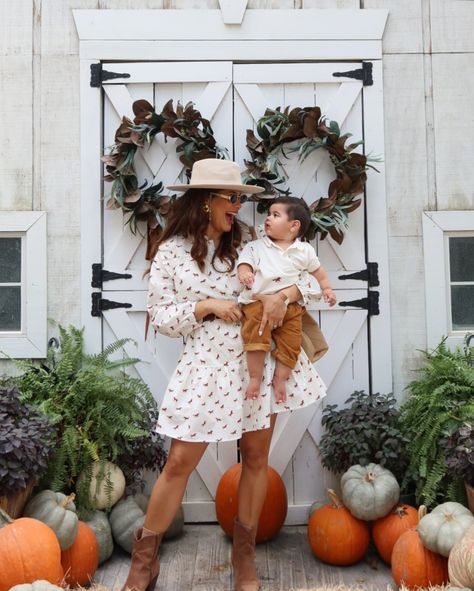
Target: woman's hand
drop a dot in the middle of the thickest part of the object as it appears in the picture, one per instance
(274, 310)
(227, 310)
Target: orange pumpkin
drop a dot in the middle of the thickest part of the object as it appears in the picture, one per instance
(274, 508)
(80, 560)
(387, 530)
(414, 565)
(335, 535)
(29, 550)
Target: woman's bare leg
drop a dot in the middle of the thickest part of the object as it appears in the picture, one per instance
(254, 449)
(168, 490)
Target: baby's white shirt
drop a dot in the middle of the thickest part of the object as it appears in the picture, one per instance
(275, 268)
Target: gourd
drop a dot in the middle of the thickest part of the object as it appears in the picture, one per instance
(58, 511)
(100, 525)
(461, 560)
(444, 526)
(369, 492)
(386, 530)
(335, 536)
(111, 488)
(80, 561)
(413, 564)
(275, 505)
(129, 515)
(29, 550)
(37, 586)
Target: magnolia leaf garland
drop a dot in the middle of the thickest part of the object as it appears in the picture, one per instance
(280, 133)
(197, 142)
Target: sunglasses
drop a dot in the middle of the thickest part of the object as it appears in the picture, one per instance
(233, 197)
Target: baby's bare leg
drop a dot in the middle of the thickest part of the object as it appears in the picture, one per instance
(282, 373)
(255, 362)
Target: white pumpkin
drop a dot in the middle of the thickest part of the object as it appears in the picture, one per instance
(100, 495)
(369, 492)
(37, 586)
(461, 560)
(444, 526)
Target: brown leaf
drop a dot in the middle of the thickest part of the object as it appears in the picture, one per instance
(142, 110)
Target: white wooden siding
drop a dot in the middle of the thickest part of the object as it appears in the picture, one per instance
(38, 29)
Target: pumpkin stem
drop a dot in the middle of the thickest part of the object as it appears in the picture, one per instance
(5, 519)
(400, 511)
(370, 477)
(336, 501)
(67, 500)
(421, 512)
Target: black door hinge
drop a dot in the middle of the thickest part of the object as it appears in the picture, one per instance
(364, 74)
(99, 304)
(99, 275)
(370, 303)
(99, 75)
(371, 275)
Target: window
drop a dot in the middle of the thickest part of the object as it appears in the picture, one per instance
(23, 284)
(461, 281)
(448, 240)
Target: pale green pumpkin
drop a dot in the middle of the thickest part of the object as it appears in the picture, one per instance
(369, 492)
(37, 586)
(444, 526)
(100, 525)
(129, 515)
(57, 511)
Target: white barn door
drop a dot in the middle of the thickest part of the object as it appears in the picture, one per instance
(233, 98)
(345, 367)
(208, 85)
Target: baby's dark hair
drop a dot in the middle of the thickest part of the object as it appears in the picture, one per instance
(296, 209)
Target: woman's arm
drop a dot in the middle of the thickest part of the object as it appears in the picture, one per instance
(275, 305)
(172, 317)
(227, 310)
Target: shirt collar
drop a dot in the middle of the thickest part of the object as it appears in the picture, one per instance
(296, 244)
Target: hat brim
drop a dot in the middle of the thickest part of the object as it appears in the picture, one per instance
(250, 189)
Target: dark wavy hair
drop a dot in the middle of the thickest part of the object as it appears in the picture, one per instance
(296, 209)
(187, 218)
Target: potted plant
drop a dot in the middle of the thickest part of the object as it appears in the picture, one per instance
(366, 431)
(27, 440)
(459, 458)
(98, 409)
(141, 454)
(440, 400)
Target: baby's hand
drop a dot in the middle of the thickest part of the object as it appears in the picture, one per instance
(329, 296)
(247, 278)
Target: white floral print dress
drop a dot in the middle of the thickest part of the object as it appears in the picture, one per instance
(204, 400)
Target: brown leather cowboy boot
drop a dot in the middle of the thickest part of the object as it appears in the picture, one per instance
(243, 558)
(145, 565)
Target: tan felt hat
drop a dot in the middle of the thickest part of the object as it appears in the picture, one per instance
(213, 173)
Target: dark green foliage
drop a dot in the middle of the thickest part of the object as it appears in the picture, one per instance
(366, 431)
(27, 439)
(459, 452)
(97, 407)
(440, 400)
(140, 454)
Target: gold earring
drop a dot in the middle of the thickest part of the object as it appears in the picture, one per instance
(207, 209)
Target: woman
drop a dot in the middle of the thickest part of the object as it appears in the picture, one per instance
(193, 293)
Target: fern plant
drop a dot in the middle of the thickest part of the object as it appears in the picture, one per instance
(441, 399)
(97, 407)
